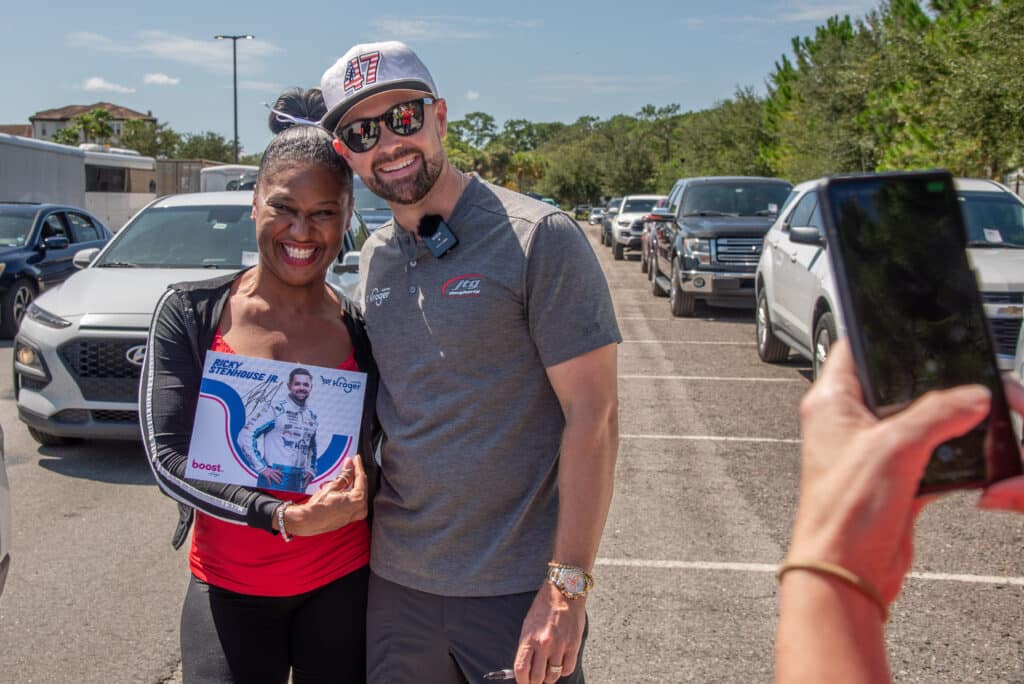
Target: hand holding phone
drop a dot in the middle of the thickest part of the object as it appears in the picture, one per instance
(913, 312)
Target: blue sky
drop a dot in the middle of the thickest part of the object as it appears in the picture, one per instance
(542, 61)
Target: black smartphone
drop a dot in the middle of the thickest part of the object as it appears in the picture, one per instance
(913, 313)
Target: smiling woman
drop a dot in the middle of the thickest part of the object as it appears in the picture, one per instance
(308, 599)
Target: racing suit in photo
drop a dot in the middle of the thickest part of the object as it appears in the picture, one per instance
(288, 432)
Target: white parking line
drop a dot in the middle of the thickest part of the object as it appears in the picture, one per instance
(707, 342)
(708, 378)
(714, 438)
(767, 567)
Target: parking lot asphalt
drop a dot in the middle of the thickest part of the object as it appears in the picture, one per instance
(706, 488)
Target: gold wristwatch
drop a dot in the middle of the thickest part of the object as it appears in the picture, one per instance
(574, 582)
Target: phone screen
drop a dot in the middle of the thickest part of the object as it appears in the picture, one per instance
(913, 311)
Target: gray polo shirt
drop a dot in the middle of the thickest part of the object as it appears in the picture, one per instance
(468, 502)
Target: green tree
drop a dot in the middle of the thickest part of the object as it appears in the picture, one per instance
(477, 129)
(149, 138)
(206, 145)
(94, 125)
(68, 136)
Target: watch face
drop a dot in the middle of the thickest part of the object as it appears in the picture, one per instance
(574, 582)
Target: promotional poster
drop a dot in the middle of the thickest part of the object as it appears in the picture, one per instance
(274, 425)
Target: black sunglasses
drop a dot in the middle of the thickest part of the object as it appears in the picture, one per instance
(362, 135)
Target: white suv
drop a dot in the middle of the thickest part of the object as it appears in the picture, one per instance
(797, 308)
(628, 224)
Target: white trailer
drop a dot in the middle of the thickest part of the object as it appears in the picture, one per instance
(227, 177)
(110, 184)
(40, 171)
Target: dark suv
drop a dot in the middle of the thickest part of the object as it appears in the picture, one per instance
(37, 242)
(709, 237)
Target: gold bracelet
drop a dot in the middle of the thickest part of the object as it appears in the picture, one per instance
(865, 588)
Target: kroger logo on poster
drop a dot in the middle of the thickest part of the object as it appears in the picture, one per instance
(465, 285)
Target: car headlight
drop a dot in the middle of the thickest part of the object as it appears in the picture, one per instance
(28, 360)
(698, 248)
(48, 319)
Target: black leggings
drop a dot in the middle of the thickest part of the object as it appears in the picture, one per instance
(320, 635)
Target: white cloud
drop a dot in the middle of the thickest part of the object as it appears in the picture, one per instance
(472, 95)
(208, 54)
(97, 84)
(423, 29)
(160, 79)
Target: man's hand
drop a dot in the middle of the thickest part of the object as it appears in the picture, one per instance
(272, 474)
(551, 637)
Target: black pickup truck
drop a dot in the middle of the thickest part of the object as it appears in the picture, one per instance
(708, 239)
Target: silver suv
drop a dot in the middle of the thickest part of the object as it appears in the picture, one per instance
(5, 517)
(797, 308)
(80, 348)
(629, 222)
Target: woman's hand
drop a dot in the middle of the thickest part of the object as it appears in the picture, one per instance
(339, 502)
(1007, 495)
(860, 474)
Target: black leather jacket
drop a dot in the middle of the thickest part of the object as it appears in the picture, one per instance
(184, 324)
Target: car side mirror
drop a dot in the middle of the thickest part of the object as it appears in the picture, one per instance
(56, 242)
(806, 235)
(84, 257)
(349, 264)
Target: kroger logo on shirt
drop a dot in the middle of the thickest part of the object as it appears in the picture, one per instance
(378, 295)
(465, 285)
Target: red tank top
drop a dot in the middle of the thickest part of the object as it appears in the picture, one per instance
(252, 561)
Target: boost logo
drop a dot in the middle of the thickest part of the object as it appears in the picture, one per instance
(465, 285)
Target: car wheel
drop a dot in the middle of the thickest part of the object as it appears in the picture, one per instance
(15, 303)
(643, 261)
(770, 348)
(824, 337)
(46, 439)
(656, 289)
(618, 252)
(603, 241)
(681, 303)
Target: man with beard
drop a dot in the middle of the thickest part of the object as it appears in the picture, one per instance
(288, 430)
(493, 328)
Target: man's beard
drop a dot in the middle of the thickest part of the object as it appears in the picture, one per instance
(408, 190)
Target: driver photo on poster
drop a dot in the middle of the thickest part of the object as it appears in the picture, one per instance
(273, 425)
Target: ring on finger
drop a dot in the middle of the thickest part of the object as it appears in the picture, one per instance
(555, 669)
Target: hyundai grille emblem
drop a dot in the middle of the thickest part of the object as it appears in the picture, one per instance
(136, 355)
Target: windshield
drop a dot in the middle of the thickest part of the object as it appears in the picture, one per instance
(14, 229)
(994, 219)
(210, 236)
(366, 200)
(735, 199)
(637, 206)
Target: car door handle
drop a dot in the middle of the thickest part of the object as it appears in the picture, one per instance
(792, 257)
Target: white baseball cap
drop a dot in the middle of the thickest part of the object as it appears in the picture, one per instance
(369, 69)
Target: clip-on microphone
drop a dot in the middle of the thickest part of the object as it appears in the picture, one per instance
(438, 237)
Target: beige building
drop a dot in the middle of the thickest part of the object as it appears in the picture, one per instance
(45, 123)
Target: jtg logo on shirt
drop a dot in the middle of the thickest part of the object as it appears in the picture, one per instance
(465, 285)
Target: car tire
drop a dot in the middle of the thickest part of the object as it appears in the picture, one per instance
(618, 252)
(824, 338)
(603, 241)
(770, 348)
(643, 261)
(46, 439)
(15, 303)
(656, 289)
(682, 303)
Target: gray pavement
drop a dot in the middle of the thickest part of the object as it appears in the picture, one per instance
(706, 488)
